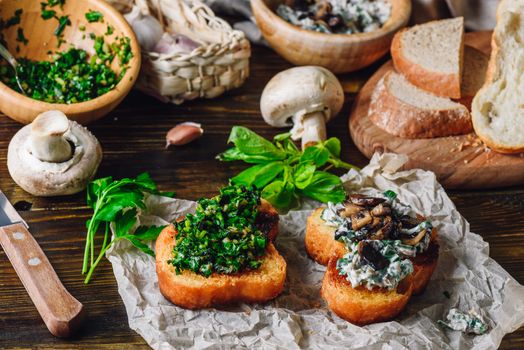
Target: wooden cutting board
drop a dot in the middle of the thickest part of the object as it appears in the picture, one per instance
(460, 162)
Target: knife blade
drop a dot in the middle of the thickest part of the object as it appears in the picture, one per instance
(61, 312)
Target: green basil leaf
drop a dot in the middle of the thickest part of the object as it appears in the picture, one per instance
(280, 194)
(333, 145)
(282, 137)
(250, 143)
(139, 244)
(317, 154)
(304, 174)
(259, 175)
(148, 233)
(124, 222)
(234, 154)
(325, 187)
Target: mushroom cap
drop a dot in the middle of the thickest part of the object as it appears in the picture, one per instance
(50, 123)
(298, 91)
(46, 179)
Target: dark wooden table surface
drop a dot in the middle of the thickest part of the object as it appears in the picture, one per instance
(133, 141)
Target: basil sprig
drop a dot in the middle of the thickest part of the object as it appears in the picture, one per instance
(283, 172)
(116, 204)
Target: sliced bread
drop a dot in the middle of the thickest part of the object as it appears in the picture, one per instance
(430, 56)
(498, 108)
(319, 238)
(194, 291)
(360, 305)
(402, 109)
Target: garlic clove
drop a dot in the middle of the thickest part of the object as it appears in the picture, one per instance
(183, 134)
(147, 28)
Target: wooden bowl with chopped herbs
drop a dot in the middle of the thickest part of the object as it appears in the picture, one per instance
(340, 35)
(79, 57)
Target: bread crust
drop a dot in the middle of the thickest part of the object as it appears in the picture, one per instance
(193, 291)
(490, 77)
(407, 121)
(441, 84)
(360, 305)
(319, 238)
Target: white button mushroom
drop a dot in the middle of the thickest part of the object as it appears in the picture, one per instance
(53, 156)
(305, 97)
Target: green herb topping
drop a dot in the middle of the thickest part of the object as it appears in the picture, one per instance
(222, 235)
(94, 16)
(14, 20)
(116, 203)
(283, 172)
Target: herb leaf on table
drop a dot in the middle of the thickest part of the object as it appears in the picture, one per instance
(116, 204)
(283, 172)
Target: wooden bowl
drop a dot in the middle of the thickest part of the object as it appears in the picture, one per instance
(40, 34)
(339, 53)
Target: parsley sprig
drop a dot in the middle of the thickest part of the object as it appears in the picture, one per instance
(283, 172)
(116, 204)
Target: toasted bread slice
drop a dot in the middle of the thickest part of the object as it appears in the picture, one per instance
(319, 238)
(423, 267)
(498, 108)
(404, 110)
(360, 305)
(430, 56)
(194, 291)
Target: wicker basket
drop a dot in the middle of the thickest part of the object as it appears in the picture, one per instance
(221, 62)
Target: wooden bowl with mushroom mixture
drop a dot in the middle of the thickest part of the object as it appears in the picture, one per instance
(339, 53)
(29, 35)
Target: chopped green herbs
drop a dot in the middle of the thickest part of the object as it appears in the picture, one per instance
(69, 78)
(110, 30)
(14, 20)
(20, 37)
(283, 172)
(221, 237)
(47, 14)
(94, 16)
(116, 203)
(63, 21)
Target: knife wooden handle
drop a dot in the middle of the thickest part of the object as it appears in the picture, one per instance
(61, 312)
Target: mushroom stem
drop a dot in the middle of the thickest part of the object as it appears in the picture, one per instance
(48, 143)
(314, 129)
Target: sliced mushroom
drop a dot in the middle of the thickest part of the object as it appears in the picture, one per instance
(371, 256)
(349, 209)
(53, 156)
(416, 239)
(365, 201)
(360, 219)
(409, 222)
(381, 210)
(323, 10)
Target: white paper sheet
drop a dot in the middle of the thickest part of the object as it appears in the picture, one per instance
(299, 319)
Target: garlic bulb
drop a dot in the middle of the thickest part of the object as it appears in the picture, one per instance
(147, 28)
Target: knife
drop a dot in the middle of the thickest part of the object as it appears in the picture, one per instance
(61, 312)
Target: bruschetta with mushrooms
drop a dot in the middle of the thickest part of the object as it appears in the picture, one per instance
(374, 218)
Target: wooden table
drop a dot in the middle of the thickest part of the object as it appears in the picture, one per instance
(133, 142)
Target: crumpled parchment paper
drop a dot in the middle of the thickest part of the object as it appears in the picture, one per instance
(298, 318)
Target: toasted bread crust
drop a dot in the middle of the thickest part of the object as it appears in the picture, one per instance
(423, 267)
(441, 84)
(360, 305)
(193, 291)
(319, 238)
(407, 121)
